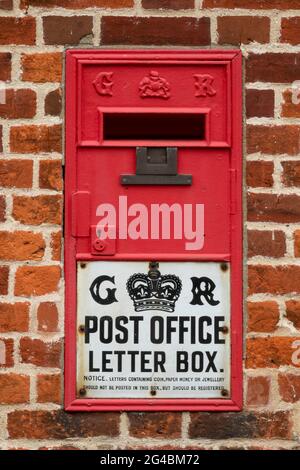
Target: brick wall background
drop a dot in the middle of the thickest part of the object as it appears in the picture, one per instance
(33, 35)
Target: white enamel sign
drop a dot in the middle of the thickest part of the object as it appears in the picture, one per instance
(157, 330)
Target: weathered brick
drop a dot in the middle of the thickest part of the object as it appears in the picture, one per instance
(273, 139)
(259, 103)
(6, 352)
(16, 173)
(2, 208)
(273, 279)
(36, 139)
(260, 174)
(42, 67)
(51, 174)
(49, 388)
(258, 391)
(293, 312)
(289, 387)
(47, 316)
(162, 425)
(66, 30)
(6, 4)
(291, 173)
(243, 29)
(56, 240)
(37, 210)
(14, 388)
(14, 317)
(60, 425)
(255, 4)
(77, 4)
(291, 103)
(268, 425)
(20, 31)
(168, 4)
(290, 30)
(274, 207)
(297, 243)
(272, 352)
(156, 30)
(5, 66)
(4, 272)
(273, 67)
(263, 316)
(53, 103)
(270, 243)
(36, 280)
(40, 353)
(21, 246)
(19, 104)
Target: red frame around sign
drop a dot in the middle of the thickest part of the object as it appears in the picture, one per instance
(75, 59)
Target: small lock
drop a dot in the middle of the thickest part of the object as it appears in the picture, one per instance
(99, 245)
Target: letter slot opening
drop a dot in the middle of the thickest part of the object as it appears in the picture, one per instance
(155, 126)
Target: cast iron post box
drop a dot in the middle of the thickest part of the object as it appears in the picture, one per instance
(153, 230)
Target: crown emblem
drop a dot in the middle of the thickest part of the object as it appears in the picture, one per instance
(154, 291)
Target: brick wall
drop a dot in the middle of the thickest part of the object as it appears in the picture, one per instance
(33, 35)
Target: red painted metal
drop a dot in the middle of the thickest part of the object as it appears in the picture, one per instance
(94, 165)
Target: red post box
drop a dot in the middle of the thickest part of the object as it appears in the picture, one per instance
(153, 230)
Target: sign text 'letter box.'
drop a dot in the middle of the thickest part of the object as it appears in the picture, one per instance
(153, 230)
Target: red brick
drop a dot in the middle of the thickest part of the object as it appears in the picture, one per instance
(14, 317)
(53, 103)
(6, 4)
(156, 30)
(269, 243)
(293, 312)
(42, 67)
(6, 352)
(255, 4)
(1, 146)
(66, 30)
(291, 173)
(273, 139)
(297, 243)
(56, 240)
(273, 67)
(5, 66)
(274, 207)
(47, 316)
(273, 279)
(19, 104)
(37, 280)
(37, 210)
(14, 389)
(58, 424)
(77, 4)
(36, 139)
(21, 246)
(49, 388)
(243, 29)
(2, 209)
(260, 174)
(51, 174)
(290, 30)
(290, 109)
(40, 353)
(4, 272)
(289, 387)
(271, 352)
(263, 316)
(258, 391)
(155, 425)
(246, 424)
(17, 30)
(259, 103)
(16, 173)
(168, 4)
